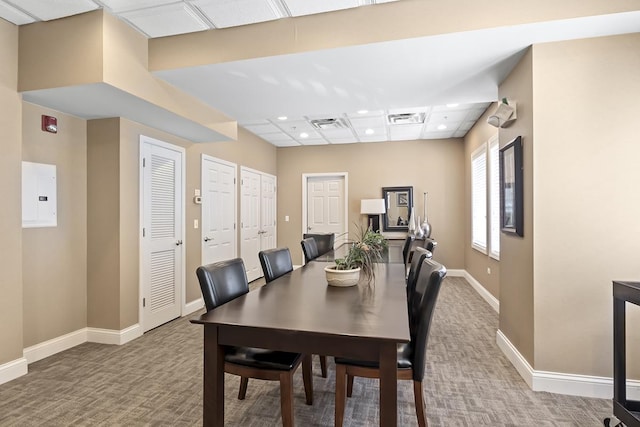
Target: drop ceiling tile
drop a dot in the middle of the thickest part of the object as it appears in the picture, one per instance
(433, 127)
(11, 14)
(313, 141)
(306, 7)
(437, 135)
(337, 133)
(291, 143)
(409, 110)
(166, 20)
(379, 132)
(368, 122)
(46, 11)
(373, 113)
(447, 116)
(402, 132)
(279, 136)
(460, 133)
(294, 127)
(118, 6)
(342, 140)
(230, 13)
(262, 128)
(373, 138)
(466, 125)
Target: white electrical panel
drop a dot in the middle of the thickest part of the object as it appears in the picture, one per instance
(39, 201)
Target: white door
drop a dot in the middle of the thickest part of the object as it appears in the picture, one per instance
(326, 206)
(162, 270)
(268, 212)
(258, 217)
(218, 210)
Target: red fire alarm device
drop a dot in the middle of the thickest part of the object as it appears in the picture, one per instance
(49, 124)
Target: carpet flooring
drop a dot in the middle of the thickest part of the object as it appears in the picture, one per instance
(156, 380)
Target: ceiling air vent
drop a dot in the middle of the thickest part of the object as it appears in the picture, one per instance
(326, 124)
(406, 118)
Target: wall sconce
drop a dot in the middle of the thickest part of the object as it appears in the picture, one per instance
(504, 114)
(373, 208)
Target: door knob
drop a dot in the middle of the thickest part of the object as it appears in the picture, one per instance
(206, 239)
(179, 242)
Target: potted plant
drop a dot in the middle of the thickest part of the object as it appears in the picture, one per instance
(360, 260)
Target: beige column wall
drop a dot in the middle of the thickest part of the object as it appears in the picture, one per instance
(434, 166)
(587, 204)
(10, 192)
(516, 253)
(54, 258)
(475, 262)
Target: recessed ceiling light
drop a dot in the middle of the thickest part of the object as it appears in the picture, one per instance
(282, 118)
(304, 135)
(369, 131)
(363, 111)
(452, 105)
(442, 127)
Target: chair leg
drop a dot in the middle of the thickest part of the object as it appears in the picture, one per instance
(323, 366)
(341, 374)
(349, 385)
(307, 378)
(419, 402)
(242, 392)
(286, 398)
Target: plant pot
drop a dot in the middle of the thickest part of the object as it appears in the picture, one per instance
(342, 278)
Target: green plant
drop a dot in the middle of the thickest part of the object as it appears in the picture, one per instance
(364, 252)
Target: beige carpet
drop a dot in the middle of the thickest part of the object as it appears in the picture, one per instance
(157, 380)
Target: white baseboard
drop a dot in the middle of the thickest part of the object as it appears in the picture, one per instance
(110, 336)
(192, 307)
(482, 291)
(12, 370)
(55, 345)
(456, 273)
(554, 382)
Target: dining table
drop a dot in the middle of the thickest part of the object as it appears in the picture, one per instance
(299, 312)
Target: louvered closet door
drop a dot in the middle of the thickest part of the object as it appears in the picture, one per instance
(162, 234)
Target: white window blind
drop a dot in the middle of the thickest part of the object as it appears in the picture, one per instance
(494, 197)
(479, 199)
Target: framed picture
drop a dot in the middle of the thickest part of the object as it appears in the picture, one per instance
(402, 199)
(511, 209)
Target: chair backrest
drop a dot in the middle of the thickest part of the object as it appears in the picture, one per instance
(324, 242)
(222, 281)
(275, 263)
(419, 254)
(407, 248)
(420, 315)
(309, 249)
(430, 245)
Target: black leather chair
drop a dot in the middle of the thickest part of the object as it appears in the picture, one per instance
(324, 242)
(419, 255)
(224, 281)
(309, 249)
(430, 244)
(275, 263)
(411, 356)
(406, 249)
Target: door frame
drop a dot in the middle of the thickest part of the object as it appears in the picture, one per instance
(142, 140)
(235, 202)
(305, 183)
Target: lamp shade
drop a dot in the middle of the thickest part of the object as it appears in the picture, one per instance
(372, 206)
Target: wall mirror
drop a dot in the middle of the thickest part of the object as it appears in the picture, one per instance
(398, 203)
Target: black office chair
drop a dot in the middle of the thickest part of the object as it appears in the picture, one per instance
(324, 242)
(411, 356)
(309, 249)
(419, 255)
(275, 263)
(224, 281)
(406, 249)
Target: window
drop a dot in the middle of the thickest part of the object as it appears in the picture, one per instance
(479, 199)
(485, 198)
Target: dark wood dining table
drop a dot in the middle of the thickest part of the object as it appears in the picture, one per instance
(299, 312)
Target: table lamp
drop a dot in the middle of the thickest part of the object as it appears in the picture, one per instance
(373, 208)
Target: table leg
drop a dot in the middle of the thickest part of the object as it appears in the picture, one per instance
(388, 385)
(213, 383)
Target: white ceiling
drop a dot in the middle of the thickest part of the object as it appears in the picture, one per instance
(420, 75)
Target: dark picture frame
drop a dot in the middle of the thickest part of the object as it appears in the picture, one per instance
(402, 199)
(511, 188)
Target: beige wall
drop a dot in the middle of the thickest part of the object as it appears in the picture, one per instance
(434, 166)
(54, 258)
(10, 193)
(587, 204)
(475, 262)
(516, 253)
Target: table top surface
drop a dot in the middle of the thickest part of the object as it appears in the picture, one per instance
(301, 301)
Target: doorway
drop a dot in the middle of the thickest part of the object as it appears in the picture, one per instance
(324, 206)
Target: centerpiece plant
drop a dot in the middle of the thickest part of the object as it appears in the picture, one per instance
(363, 253)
